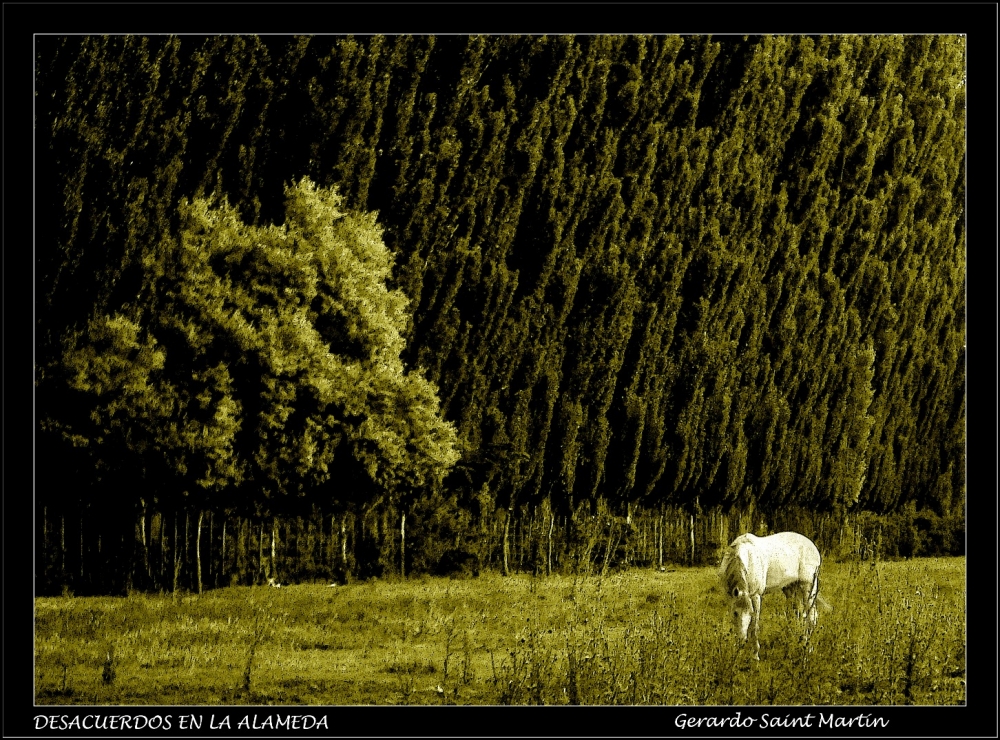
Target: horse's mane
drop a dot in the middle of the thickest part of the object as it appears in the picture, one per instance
(733, 572)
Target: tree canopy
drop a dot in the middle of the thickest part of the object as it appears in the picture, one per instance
(660, 269)
(260, 361)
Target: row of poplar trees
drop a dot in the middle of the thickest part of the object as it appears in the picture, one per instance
(281, 273)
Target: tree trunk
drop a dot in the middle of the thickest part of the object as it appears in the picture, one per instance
(304, 553)
(274, 548)
(322, 541)
(45, 544)
(402, 545)
(62, 545)
(208, 545)
(692, 539)
(177, 562)
(197, 547)
(260, 553)
(239, 552)
(548, 560)
(518, 544)
(660, 539)
(343, 543)
(513, 543)
(163, 549)
(242, 550)
(222, 556)
(187, 546)
(506, 544)
(145, 545)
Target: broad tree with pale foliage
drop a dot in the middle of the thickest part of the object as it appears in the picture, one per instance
(261, 359)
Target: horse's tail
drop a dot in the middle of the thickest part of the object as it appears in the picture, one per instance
(815, 600)
(814, 591)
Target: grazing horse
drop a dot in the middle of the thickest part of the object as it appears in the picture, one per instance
(753, 566)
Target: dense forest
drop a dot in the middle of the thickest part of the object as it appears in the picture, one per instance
(407, 304)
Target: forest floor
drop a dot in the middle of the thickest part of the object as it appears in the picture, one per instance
(895, 635)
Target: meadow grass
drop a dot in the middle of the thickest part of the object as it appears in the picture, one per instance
(895, 635)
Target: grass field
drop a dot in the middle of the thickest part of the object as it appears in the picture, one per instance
(895, 635)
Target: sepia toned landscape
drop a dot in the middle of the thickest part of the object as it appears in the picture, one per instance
(444, 369)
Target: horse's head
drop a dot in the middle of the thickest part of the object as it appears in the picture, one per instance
(741, 610)
(733, 573)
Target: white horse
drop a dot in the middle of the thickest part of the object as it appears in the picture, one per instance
(753, 566)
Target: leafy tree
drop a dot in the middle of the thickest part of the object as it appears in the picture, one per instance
(263, 356)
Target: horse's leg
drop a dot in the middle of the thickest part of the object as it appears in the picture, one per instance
(810, 613)
(794, 594)
(802, 599)
(812, 596)
(813, 599)
(755, 625)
